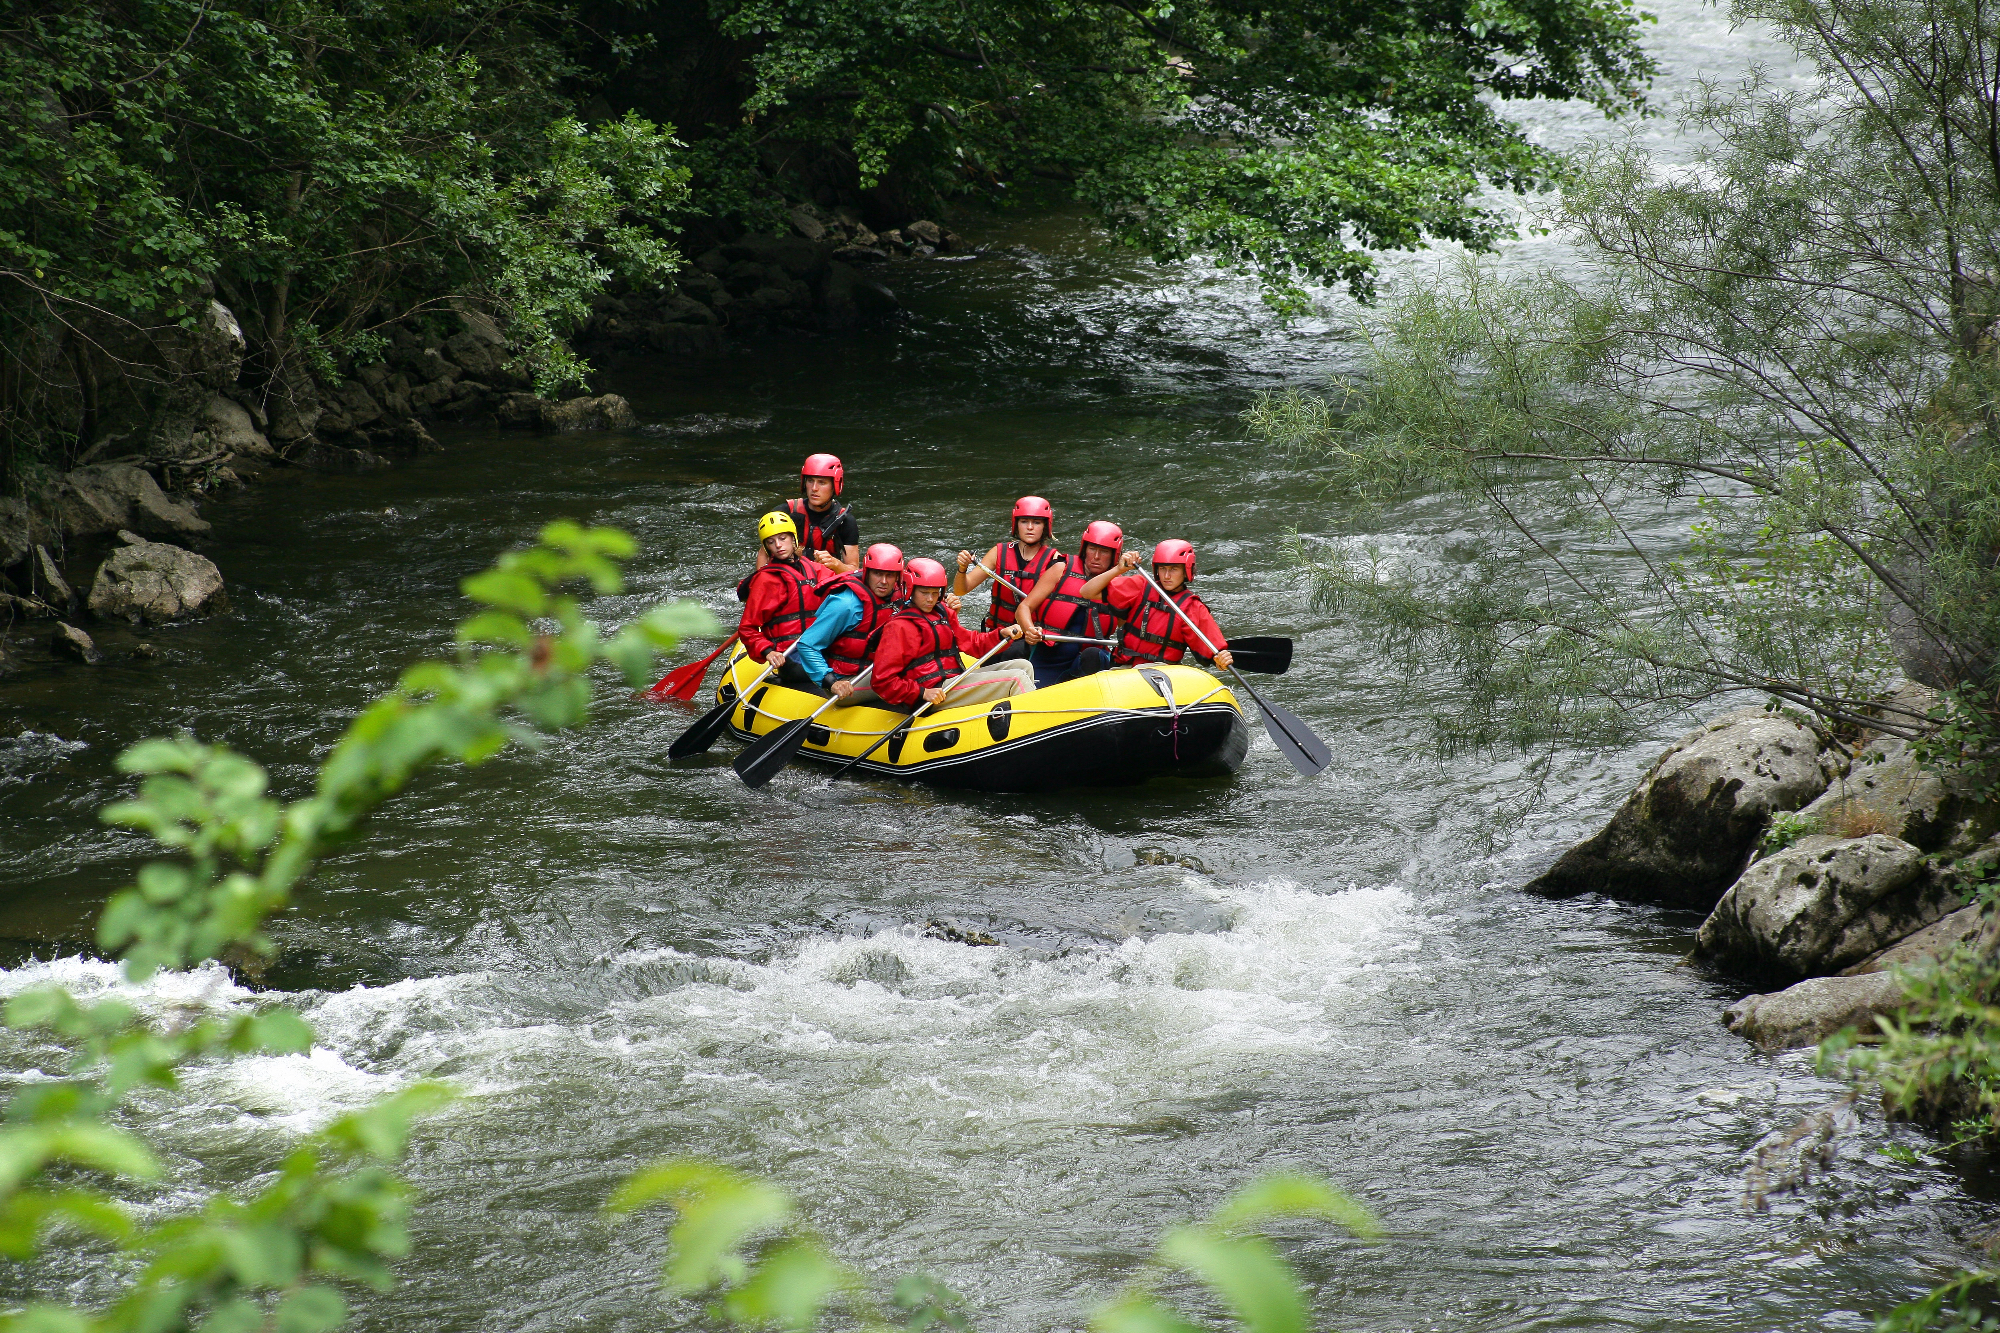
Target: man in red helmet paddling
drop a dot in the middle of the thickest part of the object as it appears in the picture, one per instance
(1064, 609)
(829, 533)
(783, 596)
(918, 659)
(1024, 565)
(1152, 632)
(852, 608)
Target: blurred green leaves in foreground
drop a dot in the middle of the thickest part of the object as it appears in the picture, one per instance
(331, 1215)
(739, 1240)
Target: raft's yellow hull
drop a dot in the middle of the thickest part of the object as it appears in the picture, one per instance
(1109, 729)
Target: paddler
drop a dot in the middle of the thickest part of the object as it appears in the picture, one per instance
(782, 596)
(1152, 632)
(829, 533)
(1024, 564)
(1064, 609)
(918, 659)
(840, 640)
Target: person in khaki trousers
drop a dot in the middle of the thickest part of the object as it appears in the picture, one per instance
(917, 659)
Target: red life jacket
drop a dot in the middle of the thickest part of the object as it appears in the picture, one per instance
(815, 535)
(1068, 611)
(1149, 630)
(1017, 579)
(939, 662)
(850, 652)
(803, 594)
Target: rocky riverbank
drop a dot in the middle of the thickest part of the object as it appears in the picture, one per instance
(1823, 863)
(94, 543)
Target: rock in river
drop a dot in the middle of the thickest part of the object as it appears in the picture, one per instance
(69, 641)
(1813, 1010)
(1822, 904)
(152, 582)
(1682, 837)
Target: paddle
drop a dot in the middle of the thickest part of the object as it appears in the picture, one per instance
(1307, 752)
(709, 725)
(767, 756)
(1265, 656)
(1078, 638)
(925, 707)
(684, 682)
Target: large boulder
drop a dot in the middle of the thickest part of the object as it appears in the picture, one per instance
(230, 429)
(1822, 904)
(15, 542)
(149, 582)
(1814, 1010)
(105, 497)
(1887, 791)
(1683, 836)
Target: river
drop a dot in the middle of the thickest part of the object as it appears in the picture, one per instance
(615, 960)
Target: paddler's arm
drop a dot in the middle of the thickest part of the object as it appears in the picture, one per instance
(892, 660)
(1098, 588)
(1198, 612)
(837, 615)
(968, 577)
(1045, 586)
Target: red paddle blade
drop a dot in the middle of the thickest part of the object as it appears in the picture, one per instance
(684, 682)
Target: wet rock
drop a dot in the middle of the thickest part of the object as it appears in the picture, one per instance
(1822, 904)
(14, 537)
(49, 582)
(926, 233)
(1814, 1010)
(71, 642)
(150, 582)
(607, 412)
(1887, 791)
(945, 930)
(861, 254)
(1966, 926)
(794, 254)
(230, 429)
(107, 496)
(1681, 838)
(679, 309)
(805, 223)
(848, 297)
(323, 457)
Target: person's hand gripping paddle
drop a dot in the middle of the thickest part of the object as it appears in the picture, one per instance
(1307, 751)
(766, 757)
(923, 708)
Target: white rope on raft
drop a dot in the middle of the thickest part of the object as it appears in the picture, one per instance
(935, 724)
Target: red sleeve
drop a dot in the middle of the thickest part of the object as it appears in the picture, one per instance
(1198, 613)
(758, 607)
(892, 658)
(1124, 592)
(974, 642)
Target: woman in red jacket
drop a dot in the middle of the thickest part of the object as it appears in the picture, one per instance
(781, 595)
(918, 660)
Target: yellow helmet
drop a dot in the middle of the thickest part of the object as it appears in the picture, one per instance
(775, 522)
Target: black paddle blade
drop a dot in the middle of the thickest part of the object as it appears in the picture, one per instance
(1270, 656)
(1294, 738)
(702, 734)
(767, 756)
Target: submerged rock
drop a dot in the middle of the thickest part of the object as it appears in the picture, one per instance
(1823, 904)
(150, 582)
(1683, 836)
(1814, 1010)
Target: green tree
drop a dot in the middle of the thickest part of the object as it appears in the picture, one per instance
(1288, 136)
(1786, 349)
(325, 167)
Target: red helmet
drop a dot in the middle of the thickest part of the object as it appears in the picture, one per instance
(1174, 551)
(1101, 533)
(1034, 506)
(884, 557)
(926, 573)
(823, 465)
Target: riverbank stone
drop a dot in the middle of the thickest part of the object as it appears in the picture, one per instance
(101, 498)
(1968, 926)
(1814, 1010)
(1822, 904)
(1684, 834)
(71, 642)
(1887, 791)
(151, 582)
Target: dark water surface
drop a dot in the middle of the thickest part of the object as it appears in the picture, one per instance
(616, 960)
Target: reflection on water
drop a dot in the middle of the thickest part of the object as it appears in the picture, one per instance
(1195, 981)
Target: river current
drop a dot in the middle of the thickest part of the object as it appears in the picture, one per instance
(615, 960)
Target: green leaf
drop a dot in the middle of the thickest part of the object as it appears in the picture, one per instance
(310, 1310)
(1285, 1195)
(383, 1130)
(1245, 1272)
(719, 1209)
(789, 1286)
(263, 1256)
(281, 1031)
(1137, 1312)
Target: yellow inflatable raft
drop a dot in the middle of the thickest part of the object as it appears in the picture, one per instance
(1111, 729)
